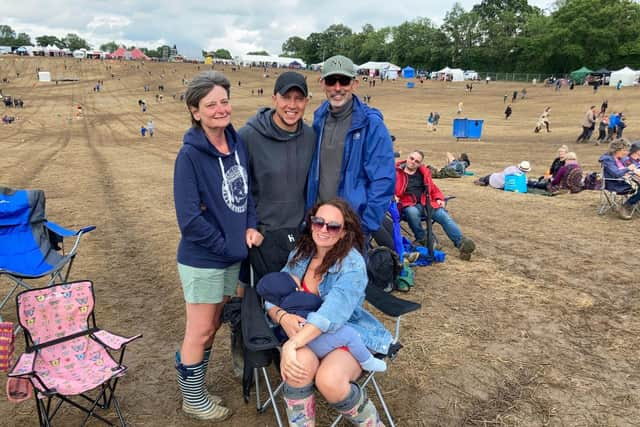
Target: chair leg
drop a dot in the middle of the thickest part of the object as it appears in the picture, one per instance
(271, 400)
(382, 402)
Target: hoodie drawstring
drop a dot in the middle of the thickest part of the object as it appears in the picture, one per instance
(225, 183)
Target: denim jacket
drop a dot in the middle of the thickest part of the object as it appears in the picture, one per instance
(342, 291)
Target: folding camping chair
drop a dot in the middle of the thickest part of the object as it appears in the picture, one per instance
(432, 239)
(385, 303)
(66, 353)
(611, 198)
(31, 247)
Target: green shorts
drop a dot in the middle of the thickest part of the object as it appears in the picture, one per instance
(208, 285)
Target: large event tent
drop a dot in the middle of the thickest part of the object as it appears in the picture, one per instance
(269, 61)
(626, 75)
(457, 75)
(384, 69)
(138, 54)
(579, 75)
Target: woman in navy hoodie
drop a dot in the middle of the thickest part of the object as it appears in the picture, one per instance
(217, 221)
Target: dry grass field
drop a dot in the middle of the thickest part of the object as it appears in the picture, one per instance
(541, 327)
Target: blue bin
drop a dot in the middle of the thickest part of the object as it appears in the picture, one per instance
(411, 85)
(516, 183)
(467, 128)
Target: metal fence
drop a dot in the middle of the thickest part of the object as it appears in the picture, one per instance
(519, 77)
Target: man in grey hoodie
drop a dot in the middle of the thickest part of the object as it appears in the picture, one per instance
(280, 147)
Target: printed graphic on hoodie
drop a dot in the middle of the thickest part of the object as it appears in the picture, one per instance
(234, 186)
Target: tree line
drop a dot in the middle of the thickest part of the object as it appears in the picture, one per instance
(494, 35)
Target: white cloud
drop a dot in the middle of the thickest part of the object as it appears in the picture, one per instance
(237, 25)
(108, 22)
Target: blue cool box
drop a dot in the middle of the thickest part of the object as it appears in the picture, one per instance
(515, 183)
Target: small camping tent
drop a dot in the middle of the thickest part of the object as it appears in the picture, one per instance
(408, 72)
(579, 75)
(626, 75)
(80, 53)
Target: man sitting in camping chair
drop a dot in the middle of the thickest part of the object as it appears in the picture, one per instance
(415, 191)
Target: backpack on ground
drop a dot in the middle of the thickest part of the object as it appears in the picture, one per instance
(592, 181)
(383, 268)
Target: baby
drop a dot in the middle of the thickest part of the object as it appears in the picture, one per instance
(285, 291)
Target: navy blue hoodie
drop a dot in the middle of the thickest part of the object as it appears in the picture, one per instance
(213, 202)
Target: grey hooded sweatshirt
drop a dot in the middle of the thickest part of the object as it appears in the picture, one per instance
(278, 167)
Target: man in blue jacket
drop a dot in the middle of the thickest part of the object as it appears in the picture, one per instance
(353, 158)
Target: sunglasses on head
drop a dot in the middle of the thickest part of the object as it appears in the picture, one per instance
(332, 80)
(318, 223)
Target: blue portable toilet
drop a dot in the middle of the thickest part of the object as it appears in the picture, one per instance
(467, 128)
(408, 72)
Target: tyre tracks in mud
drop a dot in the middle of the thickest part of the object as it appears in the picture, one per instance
(135, 259)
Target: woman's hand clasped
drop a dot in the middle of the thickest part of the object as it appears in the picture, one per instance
(290, 367)
(291, 324)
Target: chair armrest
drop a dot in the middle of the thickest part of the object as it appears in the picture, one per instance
(65, 232)
(388, 304)
(24, 366)
(113, 341)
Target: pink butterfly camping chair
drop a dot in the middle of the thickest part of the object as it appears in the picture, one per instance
(66, 354)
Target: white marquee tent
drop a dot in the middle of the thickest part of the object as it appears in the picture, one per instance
(51, 50)
(385, 69)
(267, 60)
(456, 73)
(626, 75)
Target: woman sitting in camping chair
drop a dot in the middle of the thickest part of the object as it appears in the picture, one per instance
(329, 263)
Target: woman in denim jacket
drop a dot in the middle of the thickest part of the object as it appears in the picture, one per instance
(328, 261)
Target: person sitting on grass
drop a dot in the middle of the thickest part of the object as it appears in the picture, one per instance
(294, 297)
(568, 177)
(620, 176)
(414, 189)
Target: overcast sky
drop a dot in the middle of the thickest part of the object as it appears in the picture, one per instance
(237, 25)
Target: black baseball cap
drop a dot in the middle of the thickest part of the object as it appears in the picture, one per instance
(288, 80)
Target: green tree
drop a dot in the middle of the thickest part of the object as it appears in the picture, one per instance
(222, 54)
(110, 47)
(23, 39)
(49, 40)
(371, 44)
(500, 24)
(417, 43)
(259, 52)
(462, 33)
(74, 41)
(294, 47)
(7, 35)
(581, 33)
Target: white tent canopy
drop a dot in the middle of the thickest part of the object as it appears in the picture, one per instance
(385, 69)
(456, 73)
(373, 65)
(246, 60)
(626, 75)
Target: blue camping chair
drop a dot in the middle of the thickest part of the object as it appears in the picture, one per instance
(30, 246)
